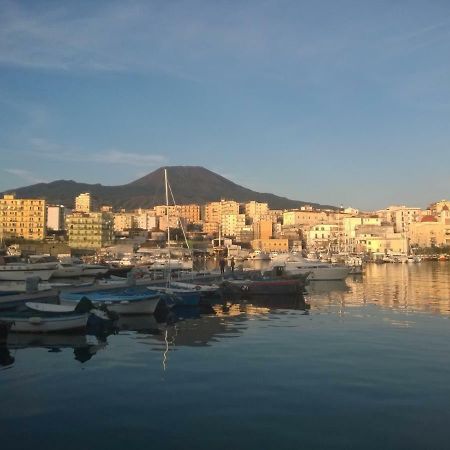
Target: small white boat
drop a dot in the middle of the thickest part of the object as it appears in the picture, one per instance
(122, 301)
(58, 309)
(42, 322)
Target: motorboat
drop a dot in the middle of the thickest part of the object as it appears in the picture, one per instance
(68, 270)
(87, 269)
(127, 300)
(19, 287)
(318, 271)
(15, 269)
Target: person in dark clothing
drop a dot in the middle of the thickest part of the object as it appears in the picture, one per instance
(232, 264)
(222, 265)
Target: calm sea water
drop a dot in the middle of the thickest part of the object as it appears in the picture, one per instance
(366, 367)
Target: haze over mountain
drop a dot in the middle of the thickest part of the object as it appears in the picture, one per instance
(190, 184)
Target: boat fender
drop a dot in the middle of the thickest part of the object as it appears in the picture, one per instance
(244, 288)
(35, 320)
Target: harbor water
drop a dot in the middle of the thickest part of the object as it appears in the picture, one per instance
(364, 364)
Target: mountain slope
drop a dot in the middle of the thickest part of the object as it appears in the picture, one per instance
(190, 184)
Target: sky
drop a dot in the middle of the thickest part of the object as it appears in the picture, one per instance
(334, 102)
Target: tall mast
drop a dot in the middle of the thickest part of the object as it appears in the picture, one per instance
(167, 217)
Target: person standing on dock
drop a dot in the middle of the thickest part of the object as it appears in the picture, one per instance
(222, 265)
(232, 264)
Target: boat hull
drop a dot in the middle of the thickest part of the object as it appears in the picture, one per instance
(94, 271)
(121, 304)
(43, 324)
(68, 272)
(13, 274)
(180, 297)
(269, 287)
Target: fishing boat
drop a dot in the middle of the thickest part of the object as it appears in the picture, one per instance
(32, 321)
(178, 297)
(126, 300)
(205, 290)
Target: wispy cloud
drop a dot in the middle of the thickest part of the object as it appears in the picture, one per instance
(57, 152)
(183, 38)
(25, 175)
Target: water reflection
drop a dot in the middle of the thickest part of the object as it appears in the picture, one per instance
(421, 287)
(84, 347)
(415, 288)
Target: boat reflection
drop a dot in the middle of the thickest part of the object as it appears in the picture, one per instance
(325, 287)
(84, 347)
(404, 287)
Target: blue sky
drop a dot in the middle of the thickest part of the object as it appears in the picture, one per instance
(336, 102)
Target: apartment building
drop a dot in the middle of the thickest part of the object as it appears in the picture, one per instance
(90, 231)
(215, 210)
(85, 203)
(22, 218)
(56, 217)
(255, 210)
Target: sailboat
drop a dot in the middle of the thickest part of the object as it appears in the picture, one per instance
(182, 295)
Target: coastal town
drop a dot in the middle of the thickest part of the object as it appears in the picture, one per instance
(227, 227)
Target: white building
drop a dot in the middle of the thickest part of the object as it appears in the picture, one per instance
(55, 217)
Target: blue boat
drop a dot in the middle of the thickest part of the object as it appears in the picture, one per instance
(180, 297)
(122, 301)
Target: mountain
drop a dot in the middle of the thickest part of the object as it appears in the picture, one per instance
(190, 184)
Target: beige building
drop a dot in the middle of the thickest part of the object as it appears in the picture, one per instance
(22, 218)
(323, 236)
(232, 223)
(304, 218)
(146, 220)
(430, 232)
(84, 203)
(271, 245)
(255, 210)
(123, 221)
(349, 227)
(91, 231)
(215, 210)
(401, 217)
(380, 239)
(190, 213)
(211, 228)
(245, 234)
(274, 215)
(437, 207)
